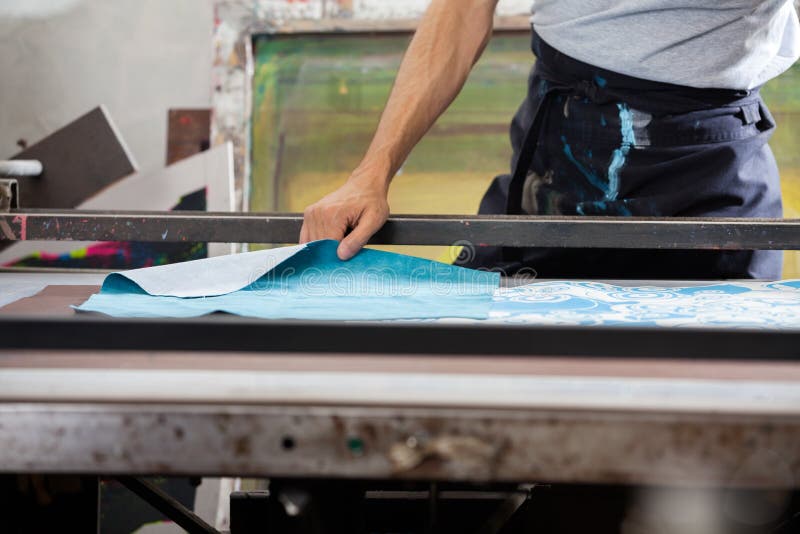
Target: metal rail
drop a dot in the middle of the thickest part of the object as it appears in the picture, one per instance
(472, 230)
(223, 333)
(703, 448)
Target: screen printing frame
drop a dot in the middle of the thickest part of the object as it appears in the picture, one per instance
(239, 22)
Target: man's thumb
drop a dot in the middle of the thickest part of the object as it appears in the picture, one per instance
(358, 237)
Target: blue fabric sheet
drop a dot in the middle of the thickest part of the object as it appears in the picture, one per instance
(306, 282)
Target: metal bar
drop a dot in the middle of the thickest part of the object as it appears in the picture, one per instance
(590, 446)
(223, 333)
(505, 511)
(508, 24)
(168, 506)
(472, 230)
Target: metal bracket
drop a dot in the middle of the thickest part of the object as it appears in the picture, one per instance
(9, 195)
(9, 188)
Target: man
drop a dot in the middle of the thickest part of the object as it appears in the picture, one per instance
(635, 107)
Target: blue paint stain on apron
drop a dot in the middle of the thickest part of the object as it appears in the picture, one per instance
(588, 141)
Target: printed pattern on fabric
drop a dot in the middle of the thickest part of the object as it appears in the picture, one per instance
(762, 305)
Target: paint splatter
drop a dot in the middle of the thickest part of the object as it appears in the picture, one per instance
(610, 187)
(123, 255)
(588, 174)
(620, 155)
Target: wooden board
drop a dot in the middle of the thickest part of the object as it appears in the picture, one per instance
(79, 160)
(52, 301)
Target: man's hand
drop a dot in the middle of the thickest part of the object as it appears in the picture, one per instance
(358, 206)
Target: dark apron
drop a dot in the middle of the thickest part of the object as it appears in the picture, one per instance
(588, 141)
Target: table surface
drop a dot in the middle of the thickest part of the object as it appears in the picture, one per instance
(498, 380)
(709, 304)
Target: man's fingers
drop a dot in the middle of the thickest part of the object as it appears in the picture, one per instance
(355, 240)
(314, 224)
(304, 233)
(320, 224)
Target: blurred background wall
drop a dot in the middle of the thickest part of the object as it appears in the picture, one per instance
(61, 58)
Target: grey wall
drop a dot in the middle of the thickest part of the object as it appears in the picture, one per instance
(60, 58)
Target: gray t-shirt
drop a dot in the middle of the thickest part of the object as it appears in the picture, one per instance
(731, 44)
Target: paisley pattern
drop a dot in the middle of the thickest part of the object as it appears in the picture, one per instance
(730, 305)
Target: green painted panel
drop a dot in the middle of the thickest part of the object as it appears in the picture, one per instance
(782, 96)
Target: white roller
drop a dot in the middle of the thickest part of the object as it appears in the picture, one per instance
(20, 168)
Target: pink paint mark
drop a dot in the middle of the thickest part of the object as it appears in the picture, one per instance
(22, 220)
(48, 256)
(217, 18)
(108, 248)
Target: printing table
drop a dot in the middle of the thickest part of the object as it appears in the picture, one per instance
(449, 401)
(439, 401)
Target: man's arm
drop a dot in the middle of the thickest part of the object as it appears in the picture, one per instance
(449, 40)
